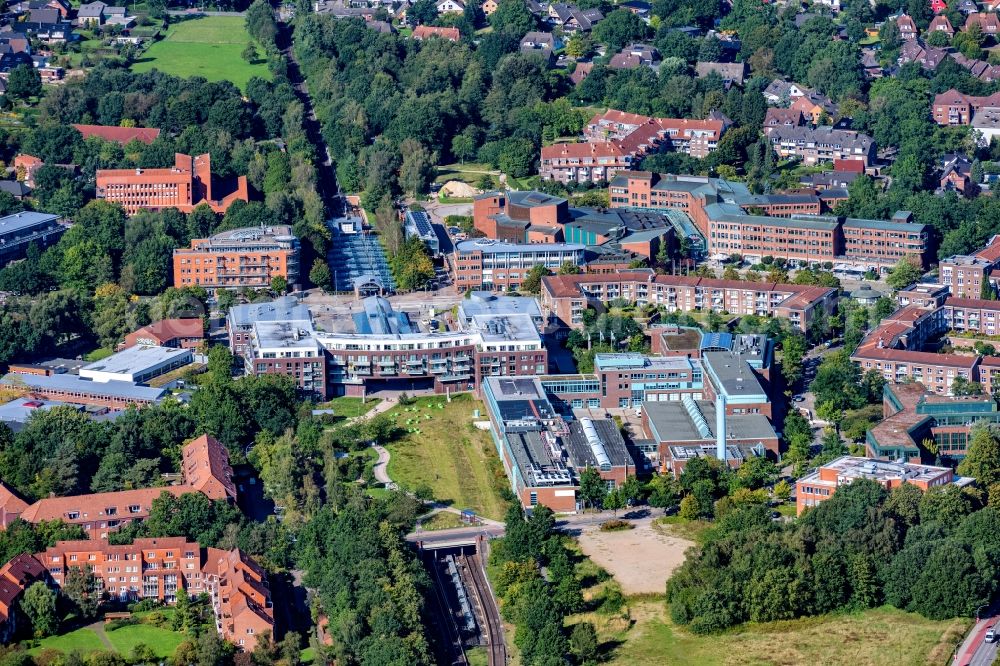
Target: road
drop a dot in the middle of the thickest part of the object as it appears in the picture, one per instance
(568, 524)
(975, 651)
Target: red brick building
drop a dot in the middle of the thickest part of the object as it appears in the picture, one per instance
(205, 468)
(177, 333)
(565, 297)
(819, 486)
(158, 569)
(122, 135)
(184, 186)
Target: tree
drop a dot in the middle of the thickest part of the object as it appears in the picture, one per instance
(982, 461)
(569, 268)
(82, 590)
(782, 490)
(593, 490)
(24, 82)
(463, 147)
(583, 642)
(619, 28)
(513, 17)
(903, 274)
(279, 284)
(532, 282)
(39, 604)
(690, 508)
(663, 492)
(793, 350)
(320, 275)
(260, 22)
(614, 500)
(417, 168)
(250, 53)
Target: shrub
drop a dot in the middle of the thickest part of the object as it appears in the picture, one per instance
(616, 525)
(119, 623)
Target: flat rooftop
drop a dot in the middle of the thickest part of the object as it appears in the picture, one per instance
(490, 246)
(506, 328)
(734, 374)
(488, 303)
(17, 222)
(293, 334)
(112, 389)
(636, 361)
(853, 467)
(284, 308)
(596, 442)
(136, 359)
(672, 422)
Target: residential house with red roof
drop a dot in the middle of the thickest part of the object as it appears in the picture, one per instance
(940, 23)
(422, 32)
(205, 469)
(177, 333)
(122, 135)
(907, 27)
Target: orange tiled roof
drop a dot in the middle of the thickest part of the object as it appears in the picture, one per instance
(120, 135)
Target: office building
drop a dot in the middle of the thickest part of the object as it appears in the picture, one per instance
(732, 221)
(137, 365)
(417, 224)
(497, 265)
(20, 231)
(542, 453)
(288, 348)
(819, 486)
(184, 186)
(250, 257)
(77, 390)
(241, 318)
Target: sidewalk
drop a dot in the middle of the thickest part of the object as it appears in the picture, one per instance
(973, 641)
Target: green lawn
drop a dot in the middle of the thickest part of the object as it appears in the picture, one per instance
(84, 640)
(98, 354)
(442, 449)
(443, 520)
(209, 46)
(880, 636)
(470, 172)
(349, 407)
(163, 641)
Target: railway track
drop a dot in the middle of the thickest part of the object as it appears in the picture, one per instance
(494, 626)
(454, 647)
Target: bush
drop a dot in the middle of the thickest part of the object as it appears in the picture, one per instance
(612, 601)
(144, 605)
(119, 623)
(616, 525)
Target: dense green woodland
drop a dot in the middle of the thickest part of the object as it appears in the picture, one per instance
(936, 553)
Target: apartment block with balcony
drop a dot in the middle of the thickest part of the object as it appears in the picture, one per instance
(288, 348)
(239, 258)
(565, 297)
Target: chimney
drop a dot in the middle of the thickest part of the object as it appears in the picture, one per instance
(720, 427)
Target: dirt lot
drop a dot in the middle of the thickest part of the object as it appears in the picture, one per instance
(641, 560)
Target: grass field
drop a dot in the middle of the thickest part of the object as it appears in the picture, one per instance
(208, 46)
(347, 408)
(162, 641)
(470, 172)
(880, 636)
(83, 640)
(442, 449)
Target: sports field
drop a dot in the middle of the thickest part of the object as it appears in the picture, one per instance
(209, 46)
